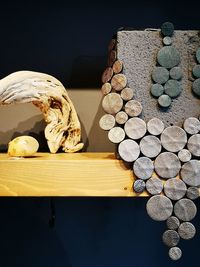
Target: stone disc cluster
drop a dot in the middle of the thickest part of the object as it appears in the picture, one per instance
(196, 74)
(165, 160)
(167, 74)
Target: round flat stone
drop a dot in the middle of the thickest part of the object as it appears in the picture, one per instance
(190, 172)
(167, 28)
(106, 88)
(170, 238)
(133, 108)
(186, 230)
(192, 192)
(185, 209)
(127, 94)
(121, 117)
(164, 101)
(150, 146)
(184, 155)
(117, 66)
(196, 87)
(112, 57)
(173, 88)
(176, 73)
(194, 145)
(112, 103)
(191, 125)
(160, 75)
(118, 82)
(154, 186)
(159, 208)
(107, 122)
(168, 57)
(173, 223)
(175, 253)
(173, 138)
(135, 128)
(196, 71)
(107, 75)
(167, 165)
(155, 126)
(143, 168)
(116, 135)
(167, 40)
(175, 188)
(157, 90)
(139, 186)
(198, 54)
(129, 150)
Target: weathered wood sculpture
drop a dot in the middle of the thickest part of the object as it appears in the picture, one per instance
(46, 92)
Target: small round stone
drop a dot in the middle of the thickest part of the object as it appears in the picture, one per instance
(116, 135)
(176, 73)
(112, 103)
(184, 155)
(155, 126)
(129, 150)
(173, 138)
(170, 238)
(185, 209)
(135, 128)
(150, 146)
(175, 188)
(173, 223)
(117, 66)
(194, 145)
(107, 75)
(186, 230)
(167, 40)
(173, 88)
(106, 88)
(196, 71)
(191, 125)
(143, 168)
(119, 82)
(164, 101)
(157, 90)
(167, 165)
(175, 253)
(154, 186)
(121, 117)
(133, 108)
(127, 94)
(159, 208)
(139, 186)
(190, 172)
(198, 54)
(168, 57)
(167, 28)
(160, 75)
(107, 122)
(196, 87)
(193, 192)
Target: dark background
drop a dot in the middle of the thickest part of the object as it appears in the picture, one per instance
(69, 41)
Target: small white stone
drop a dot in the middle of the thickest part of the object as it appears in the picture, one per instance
(23, 146)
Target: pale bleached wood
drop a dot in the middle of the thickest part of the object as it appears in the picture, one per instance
(127, 94)
(112, 103)
(61, 174)
(119, 82)
(133, 108)
(46, 92)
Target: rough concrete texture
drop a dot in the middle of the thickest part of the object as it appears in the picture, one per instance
(138, 51)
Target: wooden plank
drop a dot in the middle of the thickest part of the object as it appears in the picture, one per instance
(65, 174)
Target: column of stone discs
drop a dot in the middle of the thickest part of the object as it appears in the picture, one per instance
(196, 74)
(167, 75)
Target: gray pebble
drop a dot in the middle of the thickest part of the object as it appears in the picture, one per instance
(190, 172)
(175, 188)
(129, 150)
(168, 57)
(185, 209)
(194, 145)
(154, 186)
(172, 88)
(196, 87)
(187, 230)
(167, 40)
(175, 253)
(150, 146)
(198, 54)
(173, 223)
(184, 155)
(196, 71)
(157, 90)
(155, 126)
(160, 75)
(164, 101)
(192, 192)
(139, 186)
(143, 168)
(170, 238)
(135, 128)
(191, 125)
(167, 28)
(176, 73)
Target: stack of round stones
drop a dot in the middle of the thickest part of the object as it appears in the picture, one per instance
(165, 160)
(167, 75)
(196, 74)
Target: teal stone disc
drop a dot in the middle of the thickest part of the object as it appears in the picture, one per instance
(168, 57)
(196, 71)
(176, 73)
(167, 28)
(164, 101)
(157, 90)
(173, 88)
(198, 54)
(196, 87)
(160, 75)
(167, 40)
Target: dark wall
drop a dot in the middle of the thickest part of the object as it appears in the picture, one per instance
(69, 41)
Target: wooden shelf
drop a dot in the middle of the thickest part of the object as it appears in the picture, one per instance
(62, 174)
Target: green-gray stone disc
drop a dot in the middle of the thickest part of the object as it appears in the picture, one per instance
(198, 54)
(168, 57)
(196, 71)
(167, 28)
(157, 90)
(164, 101)
(176, 73)
(160, 75)
(196, 87)
(173, 88)
(167, 40)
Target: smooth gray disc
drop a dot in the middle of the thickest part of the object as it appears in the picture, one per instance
(187, 230)
(185, 209)
(167, 28)
(154, 186)
(196, 87)
(176, 73)
(143, 168)
(184, 155)
(135, 128)
(175, 188)
(164, 101)
(170, 238)
(193, 192)
(168, 57)
(190, 172)
(198, 54)
(194, 145)
(157, 90)
(150, 146)
(173, 88)
(167, 40)
(196, 71)
(155, 126)
(191, 125)
(129, 150)
(139, 186)
(175, 253)
(160, 75)
(173, 223)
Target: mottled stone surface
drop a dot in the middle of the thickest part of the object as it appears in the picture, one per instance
(138, 52)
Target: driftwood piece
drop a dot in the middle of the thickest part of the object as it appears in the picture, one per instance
(173, 223)
(170, 238)
(46, 92)
(186, 230)
(185, 209)
(175, 188)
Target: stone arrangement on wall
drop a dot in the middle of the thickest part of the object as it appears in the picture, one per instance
(160, 138)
